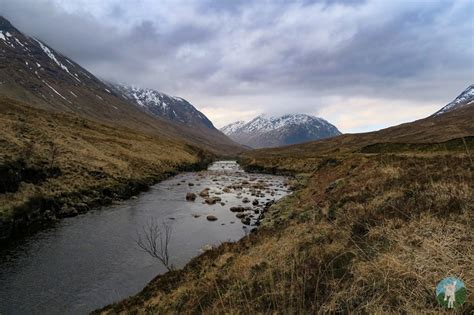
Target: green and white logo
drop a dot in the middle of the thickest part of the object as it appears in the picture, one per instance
(451, 292)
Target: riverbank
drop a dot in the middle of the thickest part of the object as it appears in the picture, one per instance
(88, 261)
(360, 231)
(56, 165)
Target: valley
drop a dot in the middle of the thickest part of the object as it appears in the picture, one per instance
(360, 229)
(125, 198)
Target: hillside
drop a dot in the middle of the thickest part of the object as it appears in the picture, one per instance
(373, 216)
(55, 165)
(264, 132)
(36, 74)
(466, 98)
(161, 105)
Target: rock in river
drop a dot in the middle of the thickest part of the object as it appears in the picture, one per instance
(190, 196)
(204, 193)
(211, 218)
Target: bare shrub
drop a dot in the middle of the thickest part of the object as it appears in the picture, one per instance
(155, 241)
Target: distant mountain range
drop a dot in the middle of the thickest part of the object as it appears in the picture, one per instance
(464, 99)
(36, 74)
(263, 131)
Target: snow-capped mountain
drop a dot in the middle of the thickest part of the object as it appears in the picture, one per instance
(264, 131)
(233, 127)
(170, 107)
(35, 74)
(464, 99)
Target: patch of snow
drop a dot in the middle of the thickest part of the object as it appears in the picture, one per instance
(21, 44)
(73, 93)
(38, 65)
(99, 97)
(55, 91)
(2, 36)
(233, 127)
(264, 123)
(50, 54)
(466, 98)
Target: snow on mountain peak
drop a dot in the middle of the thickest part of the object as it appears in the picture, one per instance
(464, 99)
(267, 122)
(266, 131)
(165, 106)
(232, 127)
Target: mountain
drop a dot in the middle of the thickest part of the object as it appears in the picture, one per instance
(34, 73)
(435, 129)
(233, 127)
(159, 104)
(464, 99)
(265, 131)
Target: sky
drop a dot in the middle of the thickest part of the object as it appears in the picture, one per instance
(360, 64)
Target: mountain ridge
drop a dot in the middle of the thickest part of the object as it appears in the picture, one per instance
(159, 104)
(34, 73)
(274, 131)
(464, 99)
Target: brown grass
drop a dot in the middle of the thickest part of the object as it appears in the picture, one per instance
(88, 156)
(364, 234)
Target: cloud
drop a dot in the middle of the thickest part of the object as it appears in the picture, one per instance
(318, 57)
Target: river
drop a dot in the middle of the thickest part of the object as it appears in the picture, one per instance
(91, 260)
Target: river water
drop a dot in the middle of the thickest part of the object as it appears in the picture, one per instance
(86, 262)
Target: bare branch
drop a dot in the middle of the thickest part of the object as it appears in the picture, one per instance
(155, 241)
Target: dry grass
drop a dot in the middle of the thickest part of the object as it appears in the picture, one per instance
(364, 234)
(79, 156)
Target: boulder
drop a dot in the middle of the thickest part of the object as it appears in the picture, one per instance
(204, 193)
(212, 200)
(211, 218)
(254, 202)
(237, 209)
(190, 196)
(245, 221)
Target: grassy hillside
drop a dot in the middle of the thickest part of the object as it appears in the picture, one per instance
(54, 165)
(363, 233)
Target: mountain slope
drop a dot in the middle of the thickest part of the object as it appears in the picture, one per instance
(466, 98)
(161, 105)
(279, 131)
(34, 73)
(233, 127)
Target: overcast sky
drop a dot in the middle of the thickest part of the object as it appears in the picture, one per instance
(361, 64)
